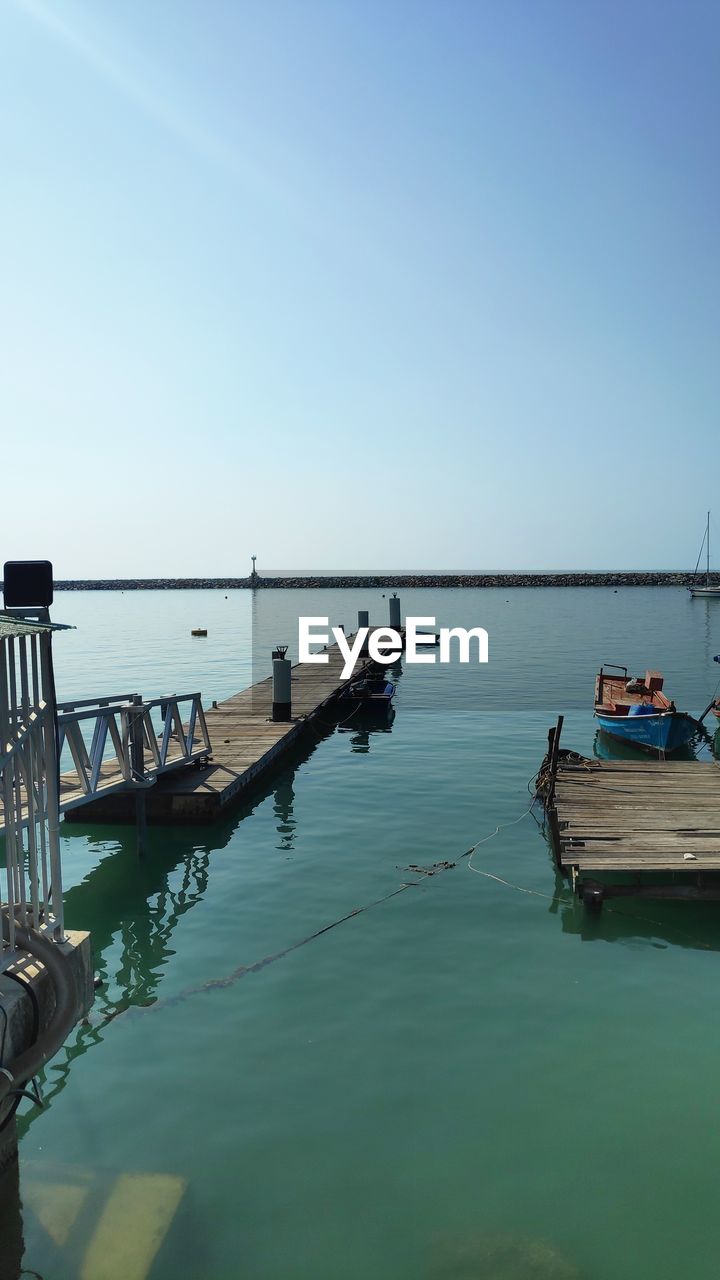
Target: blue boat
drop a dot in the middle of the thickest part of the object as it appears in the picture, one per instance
(635, 710)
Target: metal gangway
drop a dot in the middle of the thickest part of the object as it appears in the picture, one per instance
(126, 741)
(57, 756)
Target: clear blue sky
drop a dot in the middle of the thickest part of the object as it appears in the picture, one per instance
(358, 284)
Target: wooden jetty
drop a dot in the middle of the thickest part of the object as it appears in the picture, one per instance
(653, 823)
(246, 743)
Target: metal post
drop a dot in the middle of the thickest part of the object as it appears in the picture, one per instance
(281, 684)
(52, 780)
(363, 621)
(395, 611)
(137, 761)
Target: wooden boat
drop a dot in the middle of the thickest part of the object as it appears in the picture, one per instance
(707, 592)
(637, 712)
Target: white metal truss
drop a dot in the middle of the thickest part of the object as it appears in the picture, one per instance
(114, 743)
(31, 881)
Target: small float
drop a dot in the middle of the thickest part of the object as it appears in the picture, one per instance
(199, 631)
(634, 710)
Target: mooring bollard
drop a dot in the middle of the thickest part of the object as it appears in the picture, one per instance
(395, 611)
(363, 621)
(282, 683)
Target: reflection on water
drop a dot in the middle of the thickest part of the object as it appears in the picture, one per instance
(702, 746)
(633, 921)
(133, 907)
(132, 901)
(391, 1085)
(363, 724)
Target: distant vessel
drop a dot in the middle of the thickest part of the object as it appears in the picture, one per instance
(707, 592)
(637, 712)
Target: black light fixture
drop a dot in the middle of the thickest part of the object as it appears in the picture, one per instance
(28, 584)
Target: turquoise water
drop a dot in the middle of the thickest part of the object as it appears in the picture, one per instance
(470, 1078)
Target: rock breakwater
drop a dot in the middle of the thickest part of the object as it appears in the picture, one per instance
(620, 578)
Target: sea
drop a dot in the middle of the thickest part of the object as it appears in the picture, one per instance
(466, 1077)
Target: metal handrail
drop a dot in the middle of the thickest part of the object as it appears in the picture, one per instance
(31, 880)
(74, 703)
(126, 726)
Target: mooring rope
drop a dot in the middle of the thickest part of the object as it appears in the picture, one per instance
(228, 980)
(436, 868)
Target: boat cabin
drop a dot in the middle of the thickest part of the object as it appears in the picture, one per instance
(616, 692)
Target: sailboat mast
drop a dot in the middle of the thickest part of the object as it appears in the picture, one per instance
(707, 571)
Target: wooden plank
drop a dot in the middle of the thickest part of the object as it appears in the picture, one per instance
(638, 816)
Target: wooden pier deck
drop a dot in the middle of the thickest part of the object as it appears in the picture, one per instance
(654, 822)
(246, 744)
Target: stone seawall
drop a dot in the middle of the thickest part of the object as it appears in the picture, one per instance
(620, 578)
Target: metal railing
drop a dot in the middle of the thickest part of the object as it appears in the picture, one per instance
(30, 881)
(57, 756)
(131, 742)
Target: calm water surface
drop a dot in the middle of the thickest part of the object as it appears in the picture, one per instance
(468, 1080)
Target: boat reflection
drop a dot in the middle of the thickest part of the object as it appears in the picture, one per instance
(364, 724)
(700, 747)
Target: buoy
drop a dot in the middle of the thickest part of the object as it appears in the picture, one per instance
(199, 631)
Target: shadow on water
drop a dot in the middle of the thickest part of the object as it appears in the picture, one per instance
(136, 903)
(635, 922)
(363, 724)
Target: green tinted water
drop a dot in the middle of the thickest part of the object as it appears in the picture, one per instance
(467, 1080)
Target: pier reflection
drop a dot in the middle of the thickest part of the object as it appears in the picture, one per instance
(133, 907)
(636, 921)
(645, 921)
(136, 904)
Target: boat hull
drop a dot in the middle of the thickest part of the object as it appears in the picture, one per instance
(367, 695)
(705, 593)
(662, 734)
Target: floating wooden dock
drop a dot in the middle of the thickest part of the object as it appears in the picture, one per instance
(246, 743)
(653, 823)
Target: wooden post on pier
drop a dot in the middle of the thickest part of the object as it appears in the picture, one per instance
(553, 753)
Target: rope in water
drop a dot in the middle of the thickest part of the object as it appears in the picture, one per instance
(216, 984)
